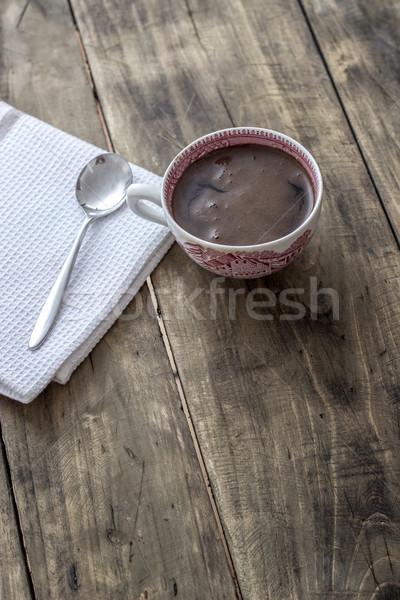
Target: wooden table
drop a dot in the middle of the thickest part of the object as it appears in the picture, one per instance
(205, 450)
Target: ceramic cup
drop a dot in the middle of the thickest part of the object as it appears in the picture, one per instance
(242, 262)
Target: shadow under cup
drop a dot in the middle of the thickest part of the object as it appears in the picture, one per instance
(243, 262)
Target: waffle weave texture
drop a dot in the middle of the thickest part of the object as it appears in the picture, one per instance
(40, 218)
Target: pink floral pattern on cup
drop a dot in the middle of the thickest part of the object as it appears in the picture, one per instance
(245, 264)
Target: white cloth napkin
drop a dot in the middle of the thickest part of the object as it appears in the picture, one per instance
(40, 218)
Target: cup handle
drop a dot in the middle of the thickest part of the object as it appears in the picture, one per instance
(137, 192)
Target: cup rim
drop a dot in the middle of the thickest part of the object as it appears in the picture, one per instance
(250, 247)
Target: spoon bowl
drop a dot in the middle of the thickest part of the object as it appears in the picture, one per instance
(100, 190)
(102, 184)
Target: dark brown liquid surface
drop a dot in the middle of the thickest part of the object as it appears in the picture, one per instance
(243, 195)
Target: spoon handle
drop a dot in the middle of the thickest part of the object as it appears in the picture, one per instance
(52, 304)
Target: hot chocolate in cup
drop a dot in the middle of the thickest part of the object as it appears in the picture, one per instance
(241, 202)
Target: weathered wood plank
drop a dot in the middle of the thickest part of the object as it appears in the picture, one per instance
(13, 575)
(148, 55)
(360, 42)
(30, 68)
(108, 487)
(41, 69)
(111, 498)
(297, 420)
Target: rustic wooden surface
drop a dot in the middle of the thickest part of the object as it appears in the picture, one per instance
(37, 66)
(41, 67)
(106, 481)
(14, 579)
(297, 421)
(360, 43)
(104, 473)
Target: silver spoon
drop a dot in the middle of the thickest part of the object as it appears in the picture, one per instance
(100, 190)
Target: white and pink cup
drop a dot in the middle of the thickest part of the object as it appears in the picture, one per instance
(242, 262)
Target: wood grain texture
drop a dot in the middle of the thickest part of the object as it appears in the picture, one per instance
(37, 65)
(13, 575)
(108, 488)
(360, 42)
(111, 498)
(41, 67)
(297, 419)
(151, 76)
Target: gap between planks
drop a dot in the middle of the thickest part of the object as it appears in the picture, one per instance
(353, 133)
(3, 455)
(163, 332)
